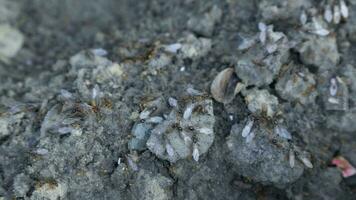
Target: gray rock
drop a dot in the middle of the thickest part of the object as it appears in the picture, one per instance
(152, 186)
(58, 122)
(4, 128)
(95, 77)
(197, 182)
(260, 63)
(351, 23)
(180, 136)
(9, 11)
(205, 25)
(61, 161)
(21, 185)
(87, 59)
(120, 177)
(289, 10)
(263, 159)
(11, 41)
(261, 102)
(297, 84)
(8, 124)
(75, 12)
(2, 193)
(321, 52)
(160, 60)
(141, 133)
(49, 191)
(336, 94)
(193, 47)
(349, 75)
(341, 121)
(326, 185)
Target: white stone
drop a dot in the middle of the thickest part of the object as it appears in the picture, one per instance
(11, 41)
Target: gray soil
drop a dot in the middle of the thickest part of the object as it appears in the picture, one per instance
(116, 99)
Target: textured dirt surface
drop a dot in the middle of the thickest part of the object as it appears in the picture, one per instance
(106, 99)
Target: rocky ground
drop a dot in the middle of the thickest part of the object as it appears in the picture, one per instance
(177, 99)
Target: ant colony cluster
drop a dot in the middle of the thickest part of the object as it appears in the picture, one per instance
(175, 129)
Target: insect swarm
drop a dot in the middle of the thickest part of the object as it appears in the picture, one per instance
(178, 135)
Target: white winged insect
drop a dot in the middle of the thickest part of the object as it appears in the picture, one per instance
(195, 153)
(333, 100)
(271, 48)
(170, 150)
(65, 130)
(319, 29)
(66, 94)
(291, 158)
(172, 102)
(333, 87)
(132, 164)
(186, 137)
(247, 129)
(193, 92)
(337, 14)
(305, 160)
(263, 34)
(95, 92)
(250, 137)
(173, 48)
(328, 14)
(95, 95)
(42, 151)
(154, 120)
(282, 132)
(231, 117)
(343, 9)
(145, 114)
(303, 17)
(99, 52)
(188, 111)
(246, 44)
(206, 131)
(119, 161)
